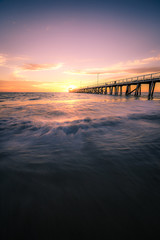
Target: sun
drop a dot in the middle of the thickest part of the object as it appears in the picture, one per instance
(71, 87)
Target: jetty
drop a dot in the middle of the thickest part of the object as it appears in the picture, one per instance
(131, 85)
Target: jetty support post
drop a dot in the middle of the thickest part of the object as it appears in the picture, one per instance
(105, 92)
(116, 90)
(151, 90)
(101, 90)
(120, 90)
(128, 90)
(97, 90)
(110, 90)
(138, 90)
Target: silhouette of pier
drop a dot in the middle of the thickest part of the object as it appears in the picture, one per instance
(132, 85)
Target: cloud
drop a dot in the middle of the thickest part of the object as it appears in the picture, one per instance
(11, 62)
(95, 71)
(19, 86)
(143, 70)
(27, 86)
(3, 60)
(123, 67)
(143, 61)
(19, 58)
(16, 75)
(40, 67)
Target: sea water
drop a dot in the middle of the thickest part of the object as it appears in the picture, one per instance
(79, 165)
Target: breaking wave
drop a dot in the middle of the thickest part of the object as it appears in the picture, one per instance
(78, 163)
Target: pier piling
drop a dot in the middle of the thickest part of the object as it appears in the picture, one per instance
(115, 87)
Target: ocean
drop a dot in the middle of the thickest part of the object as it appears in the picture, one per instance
(79, 166)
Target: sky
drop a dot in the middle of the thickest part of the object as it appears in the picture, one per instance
(54, 45)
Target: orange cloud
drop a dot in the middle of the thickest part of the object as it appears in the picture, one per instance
(29, 86)
(144, 61)
(96, 71)
(24, 86)
(17, 86)
(40, 67)
(123, 67)
(128, 70)
(143, 70)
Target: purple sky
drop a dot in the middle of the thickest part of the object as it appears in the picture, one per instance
(46, 46)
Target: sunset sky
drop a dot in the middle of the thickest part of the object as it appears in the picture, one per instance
(52, 45)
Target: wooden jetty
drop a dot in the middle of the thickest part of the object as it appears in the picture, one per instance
(115, 87)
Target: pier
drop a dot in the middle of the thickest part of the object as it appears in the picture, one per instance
(132, 85)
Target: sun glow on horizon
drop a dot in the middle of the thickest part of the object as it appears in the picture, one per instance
(82, 47)
(71, 87)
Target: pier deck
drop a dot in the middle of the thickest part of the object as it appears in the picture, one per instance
(115, 87)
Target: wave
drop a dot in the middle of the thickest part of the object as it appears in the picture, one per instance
(69, 127)
(150, 117)
(72, 127)
(33, 99)
(57, 113)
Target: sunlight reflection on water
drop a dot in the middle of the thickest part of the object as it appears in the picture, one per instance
(79, 163)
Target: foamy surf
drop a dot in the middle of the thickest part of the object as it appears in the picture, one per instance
(78, 163)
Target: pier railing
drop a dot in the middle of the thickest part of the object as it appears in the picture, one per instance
(138, 78)
(116, 85)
